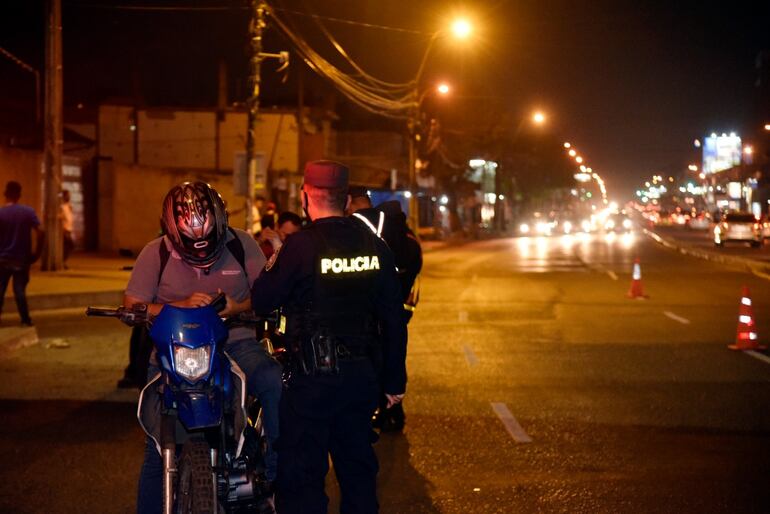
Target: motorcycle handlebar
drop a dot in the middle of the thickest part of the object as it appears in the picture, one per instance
(97, 311)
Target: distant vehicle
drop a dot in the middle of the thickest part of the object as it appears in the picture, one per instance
(699, 221)
(617, 223)
(537, 225)
(739, 227)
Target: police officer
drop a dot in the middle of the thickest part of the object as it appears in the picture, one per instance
(388, 221)
(336, 284)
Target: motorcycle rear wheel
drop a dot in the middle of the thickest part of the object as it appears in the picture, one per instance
(195, 492)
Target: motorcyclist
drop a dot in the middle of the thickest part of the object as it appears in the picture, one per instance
(198, 257)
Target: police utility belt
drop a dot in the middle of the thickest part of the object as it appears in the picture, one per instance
(322, 353)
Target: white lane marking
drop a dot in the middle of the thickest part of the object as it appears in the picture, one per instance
(757, 355)
(680, 319)
(470, 356)
(612, 275)
(510, 423)
(462, 316)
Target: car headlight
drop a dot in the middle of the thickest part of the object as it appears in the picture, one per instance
(586, 226)
(542, 227)
(626, 223)
(524, 228)
(567, 227)
(609, 225)
(192, 363)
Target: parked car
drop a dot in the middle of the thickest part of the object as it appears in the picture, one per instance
(740, 227)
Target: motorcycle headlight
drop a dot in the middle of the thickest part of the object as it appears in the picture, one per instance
(192, 363)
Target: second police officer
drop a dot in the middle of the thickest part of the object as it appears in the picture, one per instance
(336, 283)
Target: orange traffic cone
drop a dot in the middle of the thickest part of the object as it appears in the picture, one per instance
(636, 291)
(746, 335)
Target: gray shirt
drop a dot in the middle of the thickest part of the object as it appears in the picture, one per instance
(180, 280)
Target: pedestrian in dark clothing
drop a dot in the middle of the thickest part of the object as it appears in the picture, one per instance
(17, 222)
(337, 287)
(388, 221)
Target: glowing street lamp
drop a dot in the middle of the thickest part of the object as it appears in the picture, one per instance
(578, 159)
(443, 88)
(567, 145)
(538, 117)
(767, 126)
(748, 150)
(461, 28)
(572, 153)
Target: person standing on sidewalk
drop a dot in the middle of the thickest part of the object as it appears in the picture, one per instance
(17, 222)
(67, 225)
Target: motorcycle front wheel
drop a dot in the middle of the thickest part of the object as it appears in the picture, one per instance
(195, 492)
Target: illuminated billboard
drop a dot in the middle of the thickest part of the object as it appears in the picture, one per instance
(721, 152)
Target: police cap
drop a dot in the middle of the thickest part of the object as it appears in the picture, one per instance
(326, 174)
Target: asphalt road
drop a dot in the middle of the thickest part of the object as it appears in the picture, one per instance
(535, 386)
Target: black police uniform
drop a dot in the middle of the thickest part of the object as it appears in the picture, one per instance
(408, 258)
(336, 283)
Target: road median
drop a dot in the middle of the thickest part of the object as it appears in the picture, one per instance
(759, 268)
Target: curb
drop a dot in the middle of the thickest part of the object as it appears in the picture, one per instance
(43, 302)
(15, 338)
(759, 269)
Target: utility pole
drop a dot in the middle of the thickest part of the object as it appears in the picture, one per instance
(54, 138)
(256, 28)
(412, 131)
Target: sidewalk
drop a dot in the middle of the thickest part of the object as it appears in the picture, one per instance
(91, 279)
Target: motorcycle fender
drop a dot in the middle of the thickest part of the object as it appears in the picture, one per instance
(199, 410)
(238, 398)
(148, 412)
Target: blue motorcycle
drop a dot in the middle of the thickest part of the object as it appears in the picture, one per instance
(195, 409)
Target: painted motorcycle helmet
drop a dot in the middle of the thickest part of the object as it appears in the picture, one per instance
(194, 219)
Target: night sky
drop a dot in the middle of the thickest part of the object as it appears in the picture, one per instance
(630, 83)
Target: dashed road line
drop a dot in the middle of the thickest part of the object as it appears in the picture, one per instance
(510, 423)
(612, 275)
(761, 356)
(470, 356)
(680, 319)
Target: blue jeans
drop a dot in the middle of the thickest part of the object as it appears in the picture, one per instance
(263, 381)
(20, 275)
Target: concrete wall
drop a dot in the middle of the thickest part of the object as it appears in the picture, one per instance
(130, 200)
(179, 139)
(116, 138)
(194, 139)
(25, 167)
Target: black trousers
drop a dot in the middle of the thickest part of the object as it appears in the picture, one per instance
(20, 275)
(322, 417)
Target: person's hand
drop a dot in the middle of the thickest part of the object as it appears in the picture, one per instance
(393, 399)
(231, 308)
(267, 234)
(195, 300)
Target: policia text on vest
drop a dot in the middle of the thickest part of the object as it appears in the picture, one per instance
(350, 265)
